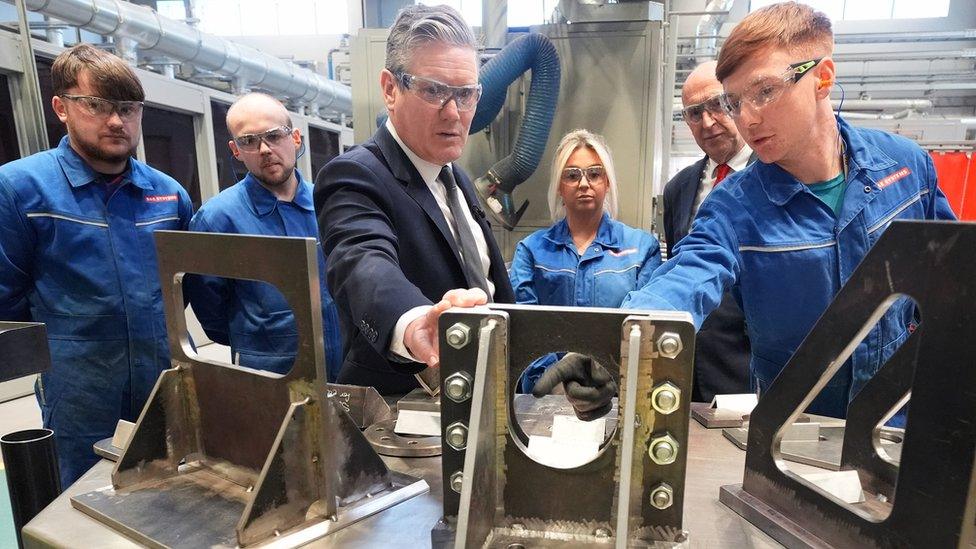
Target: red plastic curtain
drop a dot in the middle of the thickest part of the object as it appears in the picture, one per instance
(957, 179)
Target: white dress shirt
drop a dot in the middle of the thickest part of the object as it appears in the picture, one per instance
(429, 172)
(738, 162)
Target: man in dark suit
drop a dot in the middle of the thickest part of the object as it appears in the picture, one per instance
(722, 348)
(400, 223)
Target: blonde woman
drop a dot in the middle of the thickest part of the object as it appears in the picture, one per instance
(585, 259)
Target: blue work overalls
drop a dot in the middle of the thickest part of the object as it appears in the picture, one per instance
(547, 269)
(83, 262)
(785, 255)
(251, 317)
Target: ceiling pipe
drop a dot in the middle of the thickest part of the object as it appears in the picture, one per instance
(883, 104)
(706, 33)
(878, 116)
(177, 40)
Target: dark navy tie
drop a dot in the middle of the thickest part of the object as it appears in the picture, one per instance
(470, 258)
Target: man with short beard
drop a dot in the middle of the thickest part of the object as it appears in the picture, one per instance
(273, 199)
(77, 253)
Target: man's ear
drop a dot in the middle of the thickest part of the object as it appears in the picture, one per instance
(296, 137)
(827, 76)
(57, 104)
(390, 89)
(233, 149)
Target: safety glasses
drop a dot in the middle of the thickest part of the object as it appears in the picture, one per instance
(103, 108)
(273, 137)
(693, 113)
(439, 94)
(593, 175)
(768, 90)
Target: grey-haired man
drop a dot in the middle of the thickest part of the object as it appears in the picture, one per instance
(400, 223)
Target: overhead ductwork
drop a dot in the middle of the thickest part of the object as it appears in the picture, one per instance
(706, 33)
(176, 40)
(882, 104)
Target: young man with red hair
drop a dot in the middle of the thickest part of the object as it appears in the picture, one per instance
(787, 232)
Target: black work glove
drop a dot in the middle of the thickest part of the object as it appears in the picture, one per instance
(589, 386)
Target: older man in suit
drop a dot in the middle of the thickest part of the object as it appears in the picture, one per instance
(722, 348)
(400, 223)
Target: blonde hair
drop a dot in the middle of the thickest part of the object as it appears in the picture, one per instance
(567, 146)
(788, 25)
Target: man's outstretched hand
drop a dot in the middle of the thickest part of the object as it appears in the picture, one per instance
(589, 386)
(420, 337)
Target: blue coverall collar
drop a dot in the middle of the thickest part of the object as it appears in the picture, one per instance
(781, 186)
(79, 173)
(559, 233)
(264, 201)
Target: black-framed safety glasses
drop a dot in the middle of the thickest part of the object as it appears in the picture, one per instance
(767, 91)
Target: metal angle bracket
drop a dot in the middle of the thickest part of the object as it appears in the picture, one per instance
(495, 495)
(933, 263)
(24, 348)
(223, 455)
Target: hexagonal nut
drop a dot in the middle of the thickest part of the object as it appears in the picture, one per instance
(662, 496)
(669, 345)
(666, 398)
(457, 387)
(457, 481)
(458, 335)
(663, 449)
(456, 435)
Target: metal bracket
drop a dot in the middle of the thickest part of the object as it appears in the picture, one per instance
(929, 498)
(505, 496)
(24, 348)
(262, 452)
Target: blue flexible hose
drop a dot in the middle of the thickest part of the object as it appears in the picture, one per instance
(532, 51)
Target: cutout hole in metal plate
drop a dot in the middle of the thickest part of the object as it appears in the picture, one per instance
(547, 429)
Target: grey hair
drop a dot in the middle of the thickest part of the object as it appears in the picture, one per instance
(567, 146)
(418, 25)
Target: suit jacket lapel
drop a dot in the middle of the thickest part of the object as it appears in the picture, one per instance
(689, 193)
(404, 170)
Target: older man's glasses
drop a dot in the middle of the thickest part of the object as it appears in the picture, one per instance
(252, 141)
(593, 175)
(768, 90)
(439, 94)
(103, 108)
(693, 113)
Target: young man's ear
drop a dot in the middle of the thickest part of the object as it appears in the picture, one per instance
(827, 77)
(58, 105)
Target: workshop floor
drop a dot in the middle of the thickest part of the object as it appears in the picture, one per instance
(15, 415)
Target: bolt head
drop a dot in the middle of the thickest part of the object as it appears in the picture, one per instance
(669, 345)
(457, 387)
(665, 398)
(457, 435)
(457, 481)
(662, 496)
(663, 449)
(458, 335)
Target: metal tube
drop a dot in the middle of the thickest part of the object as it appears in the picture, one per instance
(884, 104)
(177, 40)
(709, 25)
(31, 465)
(36, 139)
